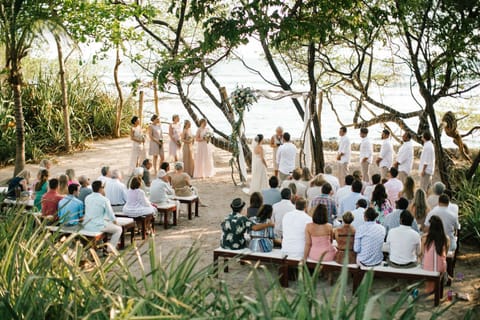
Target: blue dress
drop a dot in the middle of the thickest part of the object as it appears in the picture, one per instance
(261, 240)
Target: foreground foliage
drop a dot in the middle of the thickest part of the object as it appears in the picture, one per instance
(467, 196)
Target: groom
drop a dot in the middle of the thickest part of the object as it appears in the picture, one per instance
(286, 156)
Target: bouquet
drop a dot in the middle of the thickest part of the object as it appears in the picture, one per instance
(242, 98)
(208, 136)
(160, 143)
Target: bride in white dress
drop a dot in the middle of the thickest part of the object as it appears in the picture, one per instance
(259, 166)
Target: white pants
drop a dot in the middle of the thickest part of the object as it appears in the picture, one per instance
(425, 182)
(115, 231)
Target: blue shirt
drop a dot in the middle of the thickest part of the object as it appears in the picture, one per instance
(368, 243)
(98, 212)
(70, 210)
(349, 202)
(271, 196)
(393, 220)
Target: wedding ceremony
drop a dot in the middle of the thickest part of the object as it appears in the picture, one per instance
(186, 159)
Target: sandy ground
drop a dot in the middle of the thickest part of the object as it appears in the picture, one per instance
(217, 193)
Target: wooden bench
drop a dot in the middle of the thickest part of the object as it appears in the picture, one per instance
(144, 221)
(27, 204)
(166, 209)
(190, 201)
(128, 225)
(93, 237)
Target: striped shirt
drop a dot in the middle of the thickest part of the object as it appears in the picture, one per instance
(368, 243)
(329, 203)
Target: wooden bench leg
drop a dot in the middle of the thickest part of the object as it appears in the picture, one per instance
(189, 210)
(357, 279)
(174, 212)
(132, 234)
(122, 239)
(144, 228)
(283, 275)
(165, 219)
(196, 207)
(438, 287)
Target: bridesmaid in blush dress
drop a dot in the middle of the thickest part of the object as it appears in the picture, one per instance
(187, 151)
(137, 143)
(203, 156)
(174, 134)
(319, 236)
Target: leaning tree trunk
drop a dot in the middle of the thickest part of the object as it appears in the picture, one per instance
(63, 87)
(118, 118)
(15, 81)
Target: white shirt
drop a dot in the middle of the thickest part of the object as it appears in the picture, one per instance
(293, 242)
(366, 150)
(404, 244)
(427, 158)
(116, 192)
(344, 147)
(279, 211)
(449, 220)
(301, 188)
(405, 157)
(393, 187)
(358, 217)
(386, 153)
(333, 182)
(160, 190)
(313, 192)
(341, 193)
(286, 155)
(104, 179)
(367, 193)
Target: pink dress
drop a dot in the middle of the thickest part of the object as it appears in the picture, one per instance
(429, 259)
(322, 245)
(203, 160)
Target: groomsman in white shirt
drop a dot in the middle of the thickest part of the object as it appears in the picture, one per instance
(286, 157)
(404, 161)
(366, 154)
(427, 162)
(343, 155)
(385, 158)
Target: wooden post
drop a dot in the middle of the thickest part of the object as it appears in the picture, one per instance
(140, 106)
(155, 97)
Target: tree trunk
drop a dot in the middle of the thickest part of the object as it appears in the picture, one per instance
(155, 97)
(15, 80)
(63, 87)
(118, 118)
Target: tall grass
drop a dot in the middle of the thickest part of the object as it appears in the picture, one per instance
(43, 278)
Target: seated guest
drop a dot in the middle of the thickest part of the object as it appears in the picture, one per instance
(359, 213)
(70, 173)
(137, 203)
(393, 219)
(315, 188)
(380, 202)
(160, 190)
(408, 191)
(147, 165)
(51, 199)
(330, 178)
(345, 236)
(63, 184)
(319, 236)
(18, 184)
(180, 181)
(99, 215)
(236, 224)
(280, 209)
(419, 207)
(262, 240)
(404, 243)
(368, 242)
(137, 173)
(367, 193)
(256, 201)
(349, 202)
(393, 186)
(296, 179)
(448, 218)
(438, 189)
(41, 187)
(272, 195)
(70, 208)
(306, 177)
(85, 188)
(45, 164)
(106, 174)
(345, 190)
(435, 245)
(327, 201)
(115, 190)
(357, 174)
(293, 227)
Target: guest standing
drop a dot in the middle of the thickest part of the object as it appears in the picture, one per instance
(366, 154)
(404, 161)
(156, 143)
(343, 154)
(385, 158)
(286, 156)
(138, 141)
(204, 157)
(175, 143)
(319, 236)
(187, 149)
(427, 162)
(259, 166)
(275, 142)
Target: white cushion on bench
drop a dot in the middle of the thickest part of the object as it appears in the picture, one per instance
(275, 253)
(189, 198)
(417, 270)
(166, 205)
(124, 221)
(72, 230)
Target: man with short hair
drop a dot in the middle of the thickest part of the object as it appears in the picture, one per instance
(404, 161)
(359, 213)
(449, 220)
(296, 179)
(286, 156)
(343, 154)
(147, 165)
(366, 154)
(392, 220)
(438, 189)
(393, 186)
(385, 158)
(106, 174)
(115, 190)
(404, 243)
(376, 179)
(349, 202)
(70, 208)
(345, 190)
(272, 195)
(280, 209)
(161, 190)
(99, 216)
(51, 199)
(328, 175)
(85, 188)
(293, 225)
(427, 162)
(325, 199)
(368, 242)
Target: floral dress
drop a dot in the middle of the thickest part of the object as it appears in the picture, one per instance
(384, 210)
(234, 227)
